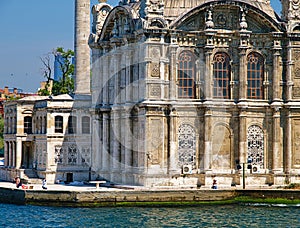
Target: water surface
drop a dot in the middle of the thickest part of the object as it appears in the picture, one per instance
(256, 215)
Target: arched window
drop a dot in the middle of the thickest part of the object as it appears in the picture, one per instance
(221, 76)
(85, 125)
(255, 76)
(72, 125)
(186, 75)
(28, 124)
(255, 142)
(59, 123)
(186, 145)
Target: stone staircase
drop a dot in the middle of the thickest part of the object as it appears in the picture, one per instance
(31, 177)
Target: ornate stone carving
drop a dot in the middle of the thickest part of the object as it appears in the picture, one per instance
(297, 55)
(296, 141)
(297, 72)
(155, 91)
(100, 12)
(72, 155)
(296, 92)
(155, 69)
(155, 141)
(58, 154)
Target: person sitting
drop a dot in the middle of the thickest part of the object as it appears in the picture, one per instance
(44, 184)
(19, 183)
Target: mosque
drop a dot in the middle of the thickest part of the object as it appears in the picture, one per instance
(169, 93)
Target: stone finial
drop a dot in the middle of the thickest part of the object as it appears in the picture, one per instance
(209, 24)
(243, 22)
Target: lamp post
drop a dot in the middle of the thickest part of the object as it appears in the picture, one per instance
(244, 186)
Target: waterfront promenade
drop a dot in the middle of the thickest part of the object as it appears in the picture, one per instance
(78, 195)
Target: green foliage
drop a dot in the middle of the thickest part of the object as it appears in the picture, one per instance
(293, 186)
(66, 82)
(44, 92)
(1, 135)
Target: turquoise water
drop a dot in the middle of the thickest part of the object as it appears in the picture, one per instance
(202, 216)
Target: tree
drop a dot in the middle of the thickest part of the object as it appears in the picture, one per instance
(1, 136)
(65, 83)
(47, 71)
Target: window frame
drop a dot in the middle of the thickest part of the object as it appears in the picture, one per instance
(28, 125)
(255, 87)
(221, 76)
(72, 125)
(186, 75)
(84, 124)
(59, 124)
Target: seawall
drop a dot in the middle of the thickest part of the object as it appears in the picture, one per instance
(135, 197)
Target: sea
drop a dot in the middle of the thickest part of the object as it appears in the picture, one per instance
(247, 215)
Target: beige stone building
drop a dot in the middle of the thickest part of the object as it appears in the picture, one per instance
(181, 92)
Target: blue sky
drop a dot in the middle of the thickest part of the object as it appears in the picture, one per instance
(29, 30)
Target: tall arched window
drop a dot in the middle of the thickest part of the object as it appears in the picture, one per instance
(28, 124)
(186, 75)
(72, 125)
(221, 76)
(255, 141)
(255, 76)
(59, 124)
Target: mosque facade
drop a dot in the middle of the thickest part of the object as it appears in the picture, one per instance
(181, 92)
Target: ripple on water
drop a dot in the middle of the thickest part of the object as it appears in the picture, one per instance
(201, 216)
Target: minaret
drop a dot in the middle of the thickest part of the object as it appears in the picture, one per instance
(82, 50)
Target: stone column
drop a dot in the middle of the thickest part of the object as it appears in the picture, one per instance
(105, 144)
(18, 153)
(82, 50)
(106, 76)
(96, 143)
(97, 72)
(11, 157)
(207, 141)
(277, 151)
(276, 71)
(243, 75)
(288, 144)
(6, 153)
(114, 140)
(117, 64)
(173, 133)
(173, 71)
(243, 136)
(129, 66)
(128, 136)
(13, 145)
(289, 80)
(208, 73)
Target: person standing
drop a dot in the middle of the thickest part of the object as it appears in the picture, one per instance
(214, 185)
(44, 184)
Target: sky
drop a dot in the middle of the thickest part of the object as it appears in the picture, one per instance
(31, 29)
